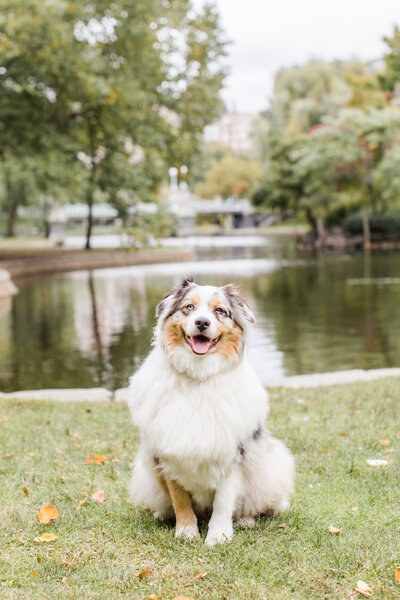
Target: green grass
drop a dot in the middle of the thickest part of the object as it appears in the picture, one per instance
(332, 432)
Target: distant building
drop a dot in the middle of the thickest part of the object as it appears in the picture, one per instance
(233, 130)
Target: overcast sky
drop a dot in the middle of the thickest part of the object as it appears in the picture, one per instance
(269, 34)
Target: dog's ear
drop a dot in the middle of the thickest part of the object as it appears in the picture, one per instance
(240, 310)
(171, 301)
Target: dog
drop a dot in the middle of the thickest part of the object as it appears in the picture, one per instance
(201, 412)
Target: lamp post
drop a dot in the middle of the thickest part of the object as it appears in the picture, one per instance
(173, 178)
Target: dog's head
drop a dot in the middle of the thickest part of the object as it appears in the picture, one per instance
(202, 328)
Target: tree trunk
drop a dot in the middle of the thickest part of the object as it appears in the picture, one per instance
(366, 231)
(12, 204)
(311, 219)
(89, 200)
(12, 217)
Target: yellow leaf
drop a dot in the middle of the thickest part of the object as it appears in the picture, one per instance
(363, 589)
(46, 537)
(98, 459)
(47, 513)
(334, 530)
(201, 575)
(33, 574)
(66, 563)
(143, 573)
(99, 496)
(81, 503)
(153, 597)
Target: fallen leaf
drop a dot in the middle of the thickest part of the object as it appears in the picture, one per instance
(81, 503)
(201, 575)
(30, 453)
(47, 513)
(64, 580)
(10, 455)
(388, 450)
(384, 442)
(183, 598)
(378, 462)
(99, 496)
(64, 479)
(363, 588)
(58, 450)
(46, 537)
(334, 530)
(143, 573)
(283, 526)
(355, 508)
(153, 597)
(397, 574)
(33, 574)
(26, 491)
(66, 563)
(98, 459)
(76, 436)
(344, 434)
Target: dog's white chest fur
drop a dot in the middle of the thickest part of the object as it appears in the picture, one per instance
(196, 422)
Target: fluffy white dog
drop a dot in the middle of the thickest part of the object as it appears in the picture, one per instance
(201, 412)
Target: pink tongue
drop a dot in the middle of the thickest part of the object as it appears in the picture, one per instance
(200, 345)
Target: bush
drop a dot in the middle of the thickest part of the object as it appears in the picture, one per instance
(382, 227)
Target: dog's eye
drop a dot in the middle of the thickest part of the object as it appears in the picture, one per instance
(220, 311)
(189, 306)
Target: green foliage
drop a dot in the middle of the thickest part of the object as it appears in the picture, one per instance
(147, 229)
(116, 91)
(382, 227)
(231, 177)
(330, 141)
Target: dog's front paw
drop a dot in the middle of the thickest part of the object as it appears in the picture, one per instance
(187, 531)
(219, 535)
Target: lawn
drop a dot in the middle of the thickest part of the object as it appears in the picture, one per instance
(116, 550)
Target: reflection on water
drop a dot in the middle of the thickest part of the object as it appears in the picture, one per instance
(85, 329)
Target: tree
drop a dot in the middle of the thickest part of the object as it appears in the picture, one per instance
(344, 160)
(232, 177)
(118, 88)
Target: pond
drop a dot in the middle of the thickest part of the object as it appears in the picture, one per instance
(315, 313)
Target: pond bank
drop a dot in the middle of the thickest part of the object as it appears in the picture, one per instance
(20, 263)
(296, 381)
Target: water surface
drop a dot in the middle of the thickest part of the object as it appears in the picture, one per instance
(314, 313)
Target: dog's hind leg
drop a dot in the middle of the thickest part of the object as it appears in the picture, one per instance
(186, 521)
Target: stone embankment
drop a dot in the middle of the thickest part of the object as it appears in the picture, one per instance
(121, 395)
(7, 287)
(23, 263)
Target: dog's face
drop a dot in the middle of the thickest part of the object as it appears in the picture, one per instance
(203, 321)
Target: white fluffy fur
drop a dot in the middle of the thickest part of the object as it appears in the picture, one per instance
(199, 415)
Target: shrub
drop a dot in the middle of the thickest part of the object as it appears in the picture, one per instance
(382, 227)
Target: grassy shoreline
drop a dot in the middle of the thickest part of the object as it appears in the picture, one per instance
(101, 549)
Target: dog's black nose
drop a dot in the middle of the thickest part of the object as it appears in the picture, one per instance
(202, 323)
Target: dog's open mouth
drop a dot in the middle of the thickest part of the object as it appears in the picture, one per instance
(200, 344)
